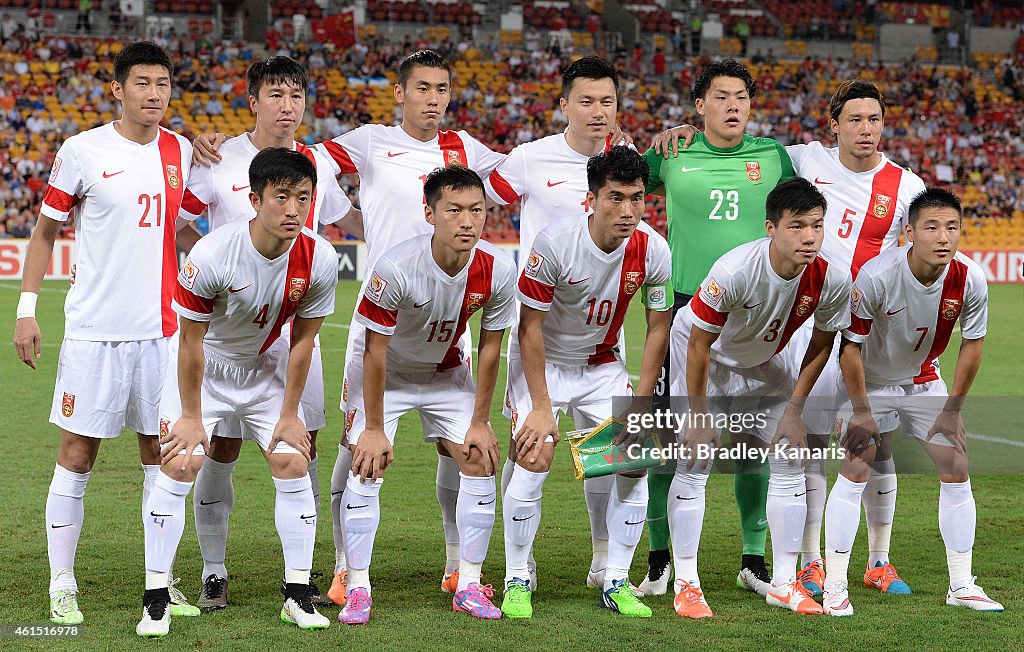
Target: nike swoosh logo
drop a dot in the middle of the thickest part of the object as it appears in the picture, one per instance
(556, 183)
(394, 154)
(678, 497)
(237, 188)
(233, 290)
(882, 493)
(802, 493)
(822, 183)
(420, 305)
(523, 519)
(489, 502)
(307, 516)
(753, 306)
(335, 493)
(877, 583)
(355, 506)
(212, 502)
(893, 312)
(762, 521)
(578, 281)
(840, 552)
(637, 523)
(158, 515)
(686, 169)
(57, 527)
(107, 175)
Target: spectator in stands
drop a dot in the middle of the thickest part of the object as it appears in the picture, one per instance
(84, 24)
(8, 27)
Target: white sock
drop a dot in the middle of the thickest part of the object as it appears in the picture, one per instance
(164, 522)
(212, 504)
(879, 509)
(475, 518)
(958, 519)
(521, 514)
(155, 580)
(786, 509)
(627, 512)
(296, 576)
(149, 472)
(685, 521)
(65, 512)
(447, 484)
(842, 518)
(361, 518)
(814, 480)
(598, 492)
(339, 476)
(506, 475)
(313, 470)
(295, 518)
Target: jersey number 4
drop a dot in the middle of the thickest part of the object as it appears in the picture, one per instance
(729, 200)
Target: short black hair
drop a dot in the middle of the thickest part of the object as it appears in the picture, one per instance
(455, 177)
(140, 53)
(853, 89)
(279, 165)
(275, 70)
(621, 164)
(425, 58)
(799, 196)
(723, 68)
(588, 68)
(933, 198)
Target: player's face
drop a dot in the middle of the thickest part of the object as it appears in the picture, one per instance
(458, 218)
(725, 108)
(859, 127)
(145, 94)
(424, 98)
(618, 207)
(591, 107)
(279, 108)
(798, 236)
(281, 209)
(935, 235)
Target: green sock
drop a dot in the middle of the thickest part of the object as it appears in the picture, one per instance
(751, 496)
(657, 510)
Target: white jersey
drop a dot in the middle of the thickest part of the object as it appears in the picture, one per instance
(223, 188)
(867, 211)
(757, 311)
(586, 291)
(392, 166)
(425, 311)
(125, 197)
(905, 326)
(247, 298)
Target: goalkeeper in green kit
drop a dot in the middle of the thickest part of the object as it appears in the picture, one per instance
(715, 191)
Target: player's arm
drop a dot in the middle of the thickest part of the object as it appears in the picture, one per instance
(698, 366)
(791, 426)
(188, 431)
(187, 235)
(373, 454)
(352, 223)
(540, 423)
(289, 428)
(205, 149)
(27, 337)
(480, 434)
(950, 422)
(659, 323)
(862, 431)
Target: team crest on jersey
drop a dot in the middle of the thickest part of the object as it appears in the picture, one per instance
(188, 274)
(515, 421)
(533, 264)
(344, 390)
(950, 309)
(165, 427)
(803, 305)
(453, 157)
(476, 301)
(296, 288)
(712, 293)
(350, 417)
(55, 169)
(172, 176)
(881, 207)
(855, 298)
(67, 406)
(375, 290)
(753, 171)
(633, 282)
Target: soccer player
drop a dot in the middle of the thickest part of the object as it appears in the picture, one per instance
(715, 192)
(906, 303)
(277, 96)
(575, 288)
(238, 288)
(729, 357)
(415, 308)
(124, 182)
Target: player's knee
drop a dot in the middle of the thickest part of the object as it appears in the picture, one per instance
(857, 468)
(224, 449)
(173, 470)
(149, 449)
(77, 453)
(288, 466)
(474, 465)
(542, 464)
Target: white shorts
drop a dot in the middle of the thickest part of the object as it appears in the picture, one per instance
(104, 387)
(584, 392)
(914, 407)
(248, 393)
(825, 397)
(444, 400)
(314, 409)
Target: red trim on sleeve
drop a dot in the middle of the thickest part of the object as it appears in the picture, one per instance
(192, 204)
(706, 312)
(503, 187)
(376, 314)
(860, 326)
(311, 215)
(296, 284)
(536, 290)
(174, 189)
(805, 302)
(951, 303)
(59, 200)
(632, 274)
(341, 157)
(478, 291)
(189, 300)
(885, 184)
(452, 148)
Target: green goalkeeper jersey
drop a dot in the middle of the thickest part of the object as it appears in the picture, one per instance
(715, 200)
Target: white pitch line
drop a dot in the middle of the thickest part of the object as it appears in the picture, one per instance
(995, 440)
(15, 286)
(342, 326)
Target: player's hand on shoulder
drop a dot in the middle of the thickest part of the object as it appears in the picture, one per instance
(620, 137)
(950, 423)
(668, 141)
(372, 455)
(205, 148)
(27, 340)
(290, 430)
(481, 437)
(536, 428)
(861, 434)
(186, 434)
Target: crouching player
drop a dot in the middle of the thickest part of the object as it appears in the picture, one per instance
(575, 289)
(415, 308)
(905, 304)
(730, 357)
(240, 285)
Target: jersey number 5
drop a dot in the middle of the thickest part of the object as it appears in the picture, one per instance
(730, 199)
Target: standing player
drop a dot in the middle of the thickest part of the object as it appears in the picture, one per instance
(906, 303)
(416, 307)
(124, 182)
(277, 96)
(575, 289)
(240, 285)
(715, 192)
(729, 356)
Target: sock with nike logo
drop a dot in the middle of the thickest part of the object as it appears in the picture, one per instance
(212, 503)
(880, 509)
(360, 518)
(65, 512)
(686, 518)
(339, 476)
(163, 523)
(814, 480)
(295, 518)
(786, 509)
(475, 519)
(597, 492)
(627, 511)
(842, 518)
(521, 510)
(958, 517)
(448, 497)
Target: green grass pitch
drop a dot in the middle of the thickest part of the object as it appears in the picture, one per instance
(410, 613)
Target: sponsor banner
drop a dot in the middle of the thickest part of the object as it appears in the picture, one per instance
(351, 260)
(12, 259)
(1000, 266)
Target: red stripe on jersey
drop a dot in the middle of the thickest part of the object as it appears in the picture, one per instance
(950, 304)
(479, 280)
(186, 298)
(376, 314)
(608, 144)
(341, 157)
(706, 312)
(859, 325)
(173, 168)
(503, 187)
(59, 200)
(311, 215)
(536, 290)
(878, 216)
(633, 272)
(808, 294)
(192, 204)
(296, 283)
(452, 147)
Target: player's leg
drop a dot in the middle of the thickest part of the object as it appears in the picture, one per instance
(447, 485)
(343, 463)
(314, 413)
(750, 484)
(212, 504)
(686, 506)
(879, 501)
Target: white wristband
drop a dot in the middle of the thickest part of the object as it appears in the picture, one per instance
(27, 305)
